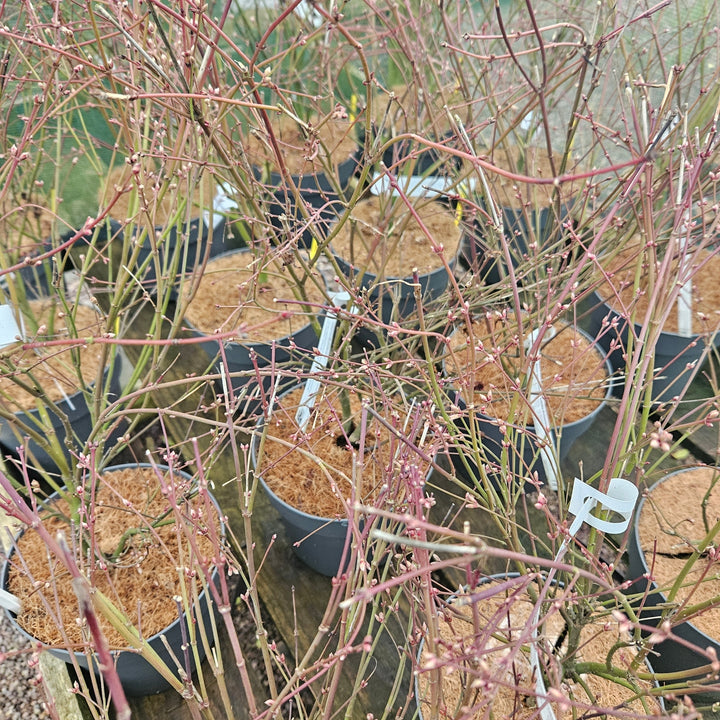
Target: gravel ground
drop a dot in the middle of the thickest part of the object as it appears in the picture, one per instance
(22, 696)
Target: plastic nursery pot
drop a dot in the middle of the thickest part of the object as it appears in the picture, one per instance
(321, 194)
(381, 240)
(533, 217)
(421, 172)
(522, 229)
(70, 404)
(676, 356)
(137, 676)
(524, 458)
(179, 239)
(317, 540)
(667, 528)
(190, 241)
(252, 298)
(515, 692)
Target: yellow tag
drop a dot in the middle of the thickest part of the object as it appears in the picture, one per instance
(458, 207)
(353, 107)
(314, 249)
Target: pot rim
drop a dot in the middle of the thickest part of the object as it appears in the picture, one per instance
(635, 542)
(590, 416)
(370, 278)
(4, 572)
(713, 335)
(284, 340)
(273, 496)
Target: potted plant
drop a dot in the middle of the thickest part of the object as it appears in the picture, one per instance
(689, 320)
(151, 563)
(47, 383)
(494, 641)
(388, 245)
(309, 161)
(325, 473)
(269, 312)
(524, 397)
(671, 555)
(523, 223)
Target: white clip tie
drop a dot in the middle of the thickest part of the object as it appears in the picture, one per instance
(312, 385)
(620, 499)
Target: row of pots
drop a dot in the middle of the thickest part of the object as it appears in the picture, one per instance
(694, 650)
(240, 362)
(395, 298)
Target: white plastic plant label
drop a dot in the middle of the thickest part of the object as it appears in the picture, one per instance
(10, 602)
(684, 310)
(684, 299)
(9, 329)
(541, 416)
(222, 204)
(415, 186)
(312, 385)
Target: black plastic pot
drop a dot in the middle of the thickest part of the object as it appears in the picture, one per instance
(525, 458)
(318, 541)
(669, 655)
(673, 352)
(393, 298)
(243, 357)
(318, 193)
(78, 414)
(137, 676)
(482, 254)
(191, 241)
(37, 281)
(420, 171)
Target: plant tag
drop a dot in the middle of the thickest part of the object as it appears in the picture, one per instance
(619, 500)
(314, 249)
(684, 299)
(9, 329)
(684, 310)
(312, 385)
(10, 602)
(222, 204)
(415, 186)
(541, 417)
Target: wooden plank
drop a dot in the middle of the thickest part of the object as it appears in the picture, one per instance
(171, 704)
(297, 598)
